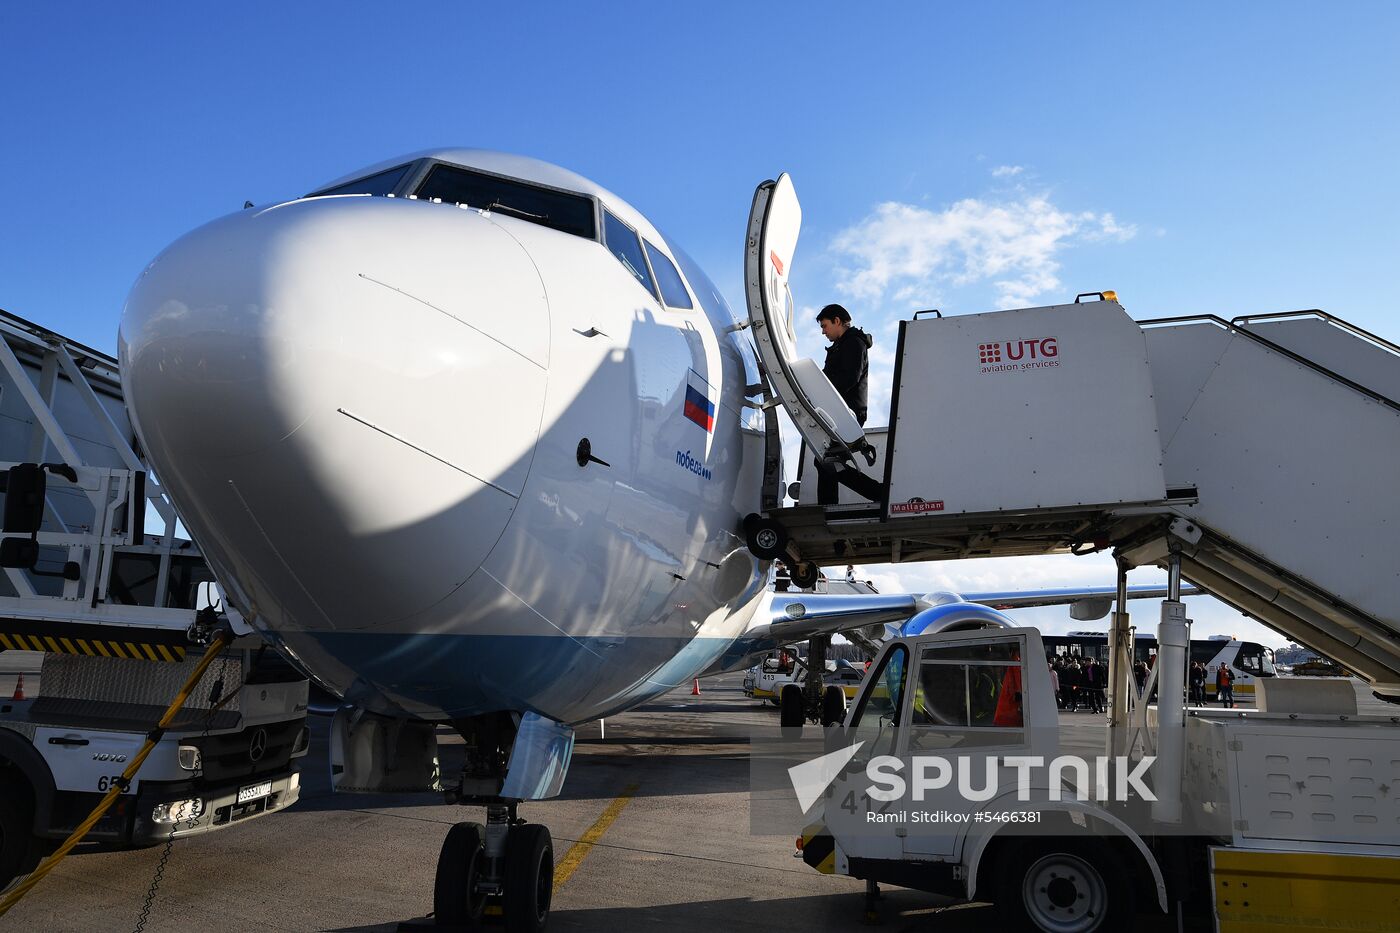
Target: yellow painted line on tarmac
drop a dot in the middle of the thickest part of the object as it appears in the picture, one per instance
(574, 857)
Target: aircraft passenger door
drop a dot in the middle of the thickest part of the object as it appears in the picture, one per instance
(822, 417)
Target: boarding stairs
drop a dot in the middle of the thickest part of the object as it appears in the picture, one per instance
(81, 573)
(1263, 451)
(1288, 428)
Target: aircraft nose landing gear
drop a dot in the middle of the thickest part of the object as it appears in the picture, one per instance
(813, 701)
(503, 870)
(505, 867)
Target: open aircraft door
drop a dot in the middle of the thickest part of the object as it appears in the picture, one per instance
(822, 417)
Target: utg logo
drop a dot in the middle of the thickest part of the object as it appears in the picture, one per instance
(1043, 348)
(1019, 356)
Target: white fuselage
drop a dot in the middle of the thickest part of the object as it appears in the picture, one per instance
(368, 411)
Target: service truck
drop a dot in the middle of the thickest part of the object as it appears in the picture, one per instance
(1276, 818)
(107, 608)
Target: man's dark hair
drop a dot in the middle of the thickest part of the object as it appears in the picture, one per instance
(834, 313)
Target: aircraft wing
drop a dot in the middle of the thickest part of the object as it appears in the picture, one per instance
(796, 617)
(799, 616)
(1070, 596)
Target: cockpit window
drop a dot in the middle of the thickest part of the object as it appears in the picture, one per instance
(561, 210)
(624, 243)
(379, 183)
(673, 291)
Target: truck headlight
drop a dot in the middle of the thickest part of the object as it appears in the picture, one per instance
(190, 758)
(178, 811)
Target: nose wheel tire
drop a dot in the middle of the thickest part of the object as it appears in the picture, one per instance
(1064, 886)
(529, 878)
(462, 860)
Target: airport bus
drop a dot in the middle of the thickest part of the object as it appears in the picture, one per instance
(1246, 659)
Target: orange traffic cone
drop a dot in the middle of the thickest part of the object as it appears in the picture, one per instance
(19, 688)
(695, 690)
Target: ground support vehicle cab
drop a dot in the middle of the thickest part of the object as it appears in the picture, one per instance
(970, 700)
(956, 777)
(766, 681)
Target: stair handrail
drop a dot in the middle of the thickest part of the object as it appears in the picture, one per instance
(1329, 318)
(1269, 344)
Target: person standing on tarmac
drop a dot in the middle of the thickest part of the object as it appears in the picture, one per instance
(1197, 680)
(848, 368)
(1093, 675)
(1225, 685)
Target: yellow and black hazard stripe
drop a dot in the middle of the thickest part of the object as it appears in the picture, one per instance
(94, 641)
(819, 849)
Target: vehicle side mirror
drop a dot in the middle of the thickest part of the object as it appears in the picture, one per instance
(25, 486)
(22, 553)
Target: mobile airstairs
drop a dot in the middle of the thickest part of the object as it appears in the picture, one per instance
(1261, 455)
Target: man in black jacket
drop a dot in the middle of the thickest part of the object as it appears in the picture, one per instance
(847, 364)
(848, 368)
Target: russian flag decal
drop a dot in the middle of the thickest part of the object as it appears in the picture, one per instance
(698, 407)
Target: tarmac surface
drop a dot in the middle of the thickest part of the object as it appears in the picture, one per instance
(664, 799)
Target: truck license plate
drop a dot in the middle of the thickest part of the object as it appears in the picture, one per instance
(254, 791)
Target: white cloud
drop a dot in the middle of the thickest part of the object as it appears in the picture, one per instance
(1007, 171)
(912, 252)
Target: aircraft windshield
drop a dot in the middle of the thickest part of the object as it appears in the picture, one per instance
(561, 210)
(378, 183)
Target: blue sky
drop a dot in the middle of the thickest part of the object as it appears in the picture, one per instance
(1197, 158)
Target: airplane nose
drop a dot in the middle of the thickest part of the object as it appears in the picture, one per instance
(340, 389)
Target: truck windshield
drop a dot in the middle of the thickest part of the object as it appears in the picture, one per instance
(134, 577)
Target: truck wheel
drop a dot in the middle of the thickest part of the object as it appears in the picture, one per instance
(1063, 886)
(791, 714)
(833, 706)
(19, 850)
